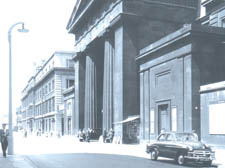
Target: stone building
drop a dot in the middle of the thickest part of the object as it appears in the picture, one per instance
(172, 70)
(43, 95)
(179, 78)
(212, 92)
(108, 37)
(68, 112)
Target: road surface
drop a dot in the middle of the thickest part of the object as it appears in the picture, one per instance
(82, 160)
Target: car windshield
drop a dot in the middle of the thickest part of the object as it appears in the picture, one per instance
(186, 137)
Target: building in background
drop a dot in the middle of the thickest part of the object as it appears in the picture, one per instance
(213, 91)
(18, 118)
(109, 35)
(68, 113)
(43, 95)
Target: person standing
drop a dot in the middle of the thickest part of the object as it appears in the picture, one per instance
(4, 143)
(111, 135)
(104, 135)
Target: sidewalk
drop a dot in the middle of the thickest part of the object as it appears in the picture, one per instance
(15, 161)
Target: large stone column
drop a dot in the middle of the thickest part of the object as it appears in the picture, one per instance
(108, 82)
(90, 92)
(125, 79)
(78, 117)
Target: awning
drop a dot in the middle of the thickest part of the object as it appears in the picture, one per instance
(130, 118)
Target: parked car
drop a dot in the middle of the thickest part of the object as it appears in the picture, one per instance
(182, 147)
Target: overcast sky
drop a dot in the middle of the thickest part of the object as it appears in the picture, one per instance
(46, 21)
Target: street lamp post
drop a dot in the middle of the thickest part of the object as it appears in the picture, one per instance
(10, 137)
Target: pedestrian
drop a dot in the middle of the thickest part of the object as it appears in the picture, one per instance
(4, 142)
(111, 135)
(104, 135)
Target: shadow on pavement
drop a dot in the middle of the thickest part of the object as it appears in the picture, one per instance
(188, 164)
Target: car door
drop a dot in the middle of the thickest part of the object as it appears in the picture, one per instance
(170, 146)
(161, 142)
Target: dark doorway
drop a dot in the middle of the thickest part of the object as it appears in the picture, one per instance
(164, 117)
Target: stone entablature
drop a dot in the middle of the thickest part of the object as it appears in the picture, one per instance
(95, 26)
(89, 28)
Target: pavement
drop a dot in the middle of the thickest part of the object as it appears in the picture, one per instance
(19, 160)
(15, 161)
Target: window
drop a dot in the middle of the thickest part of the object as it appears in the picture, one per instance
(53, 84)
(47, 104)
(46, 89)
(53, 104)
(162, 137)
(223, 23)
(49, 86)
(69, 63)
(69, 83)
(50, 105)
(170, 137)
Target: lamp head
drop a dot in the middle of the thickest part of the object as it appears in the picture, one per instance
(23, 30)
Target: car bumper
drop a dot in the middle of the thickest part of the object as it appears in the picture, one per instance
(201, 156)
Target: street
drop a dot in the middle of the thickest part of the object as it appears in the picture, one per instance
(82, 160)
(68, 152)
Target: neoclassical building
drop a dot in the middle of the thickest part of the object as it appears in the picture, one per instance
(108, 37)
(42, 100)
(182, 79)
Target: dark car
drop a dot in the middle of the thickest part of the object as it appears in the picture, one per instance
(182, 147)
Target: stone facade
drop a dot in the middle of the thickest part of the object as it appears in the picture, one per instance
(171, 73)
(212, 90)
(212, 113)
(109, 36)
(68, 113)
(43, 95)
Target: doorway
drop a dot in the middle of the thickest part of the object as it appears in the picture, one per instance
(164, 123)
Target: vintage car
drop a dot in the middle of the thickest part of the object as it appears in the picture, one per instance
(182, 147)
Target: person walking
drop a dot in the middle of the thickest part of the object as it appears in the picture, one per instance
(4, 143)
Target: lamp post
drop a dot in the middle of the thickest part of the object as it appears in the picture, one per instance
(10, 137)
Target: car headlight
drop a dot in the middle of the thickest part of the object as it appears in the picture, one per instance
(190, 148)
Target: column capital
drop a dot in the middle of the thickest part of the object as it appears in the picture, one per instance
(77, 56)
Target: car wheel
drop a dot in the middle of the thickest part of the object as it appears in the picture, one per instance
(154, 155)
(207, 163)
(180, 159)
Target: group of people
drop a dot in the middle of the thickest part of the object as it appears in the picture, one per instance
(85, 135)
(4, 140)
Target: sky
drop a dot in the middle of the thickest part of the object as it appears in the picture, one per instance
(46, 21)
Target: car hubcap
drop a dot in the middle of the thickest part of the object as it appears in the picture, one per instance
(153, 155)
(181, 159)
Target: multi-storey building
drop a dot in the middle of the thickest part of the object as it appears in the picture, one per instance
(18, 118)
(43, 95)
(68, 112)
